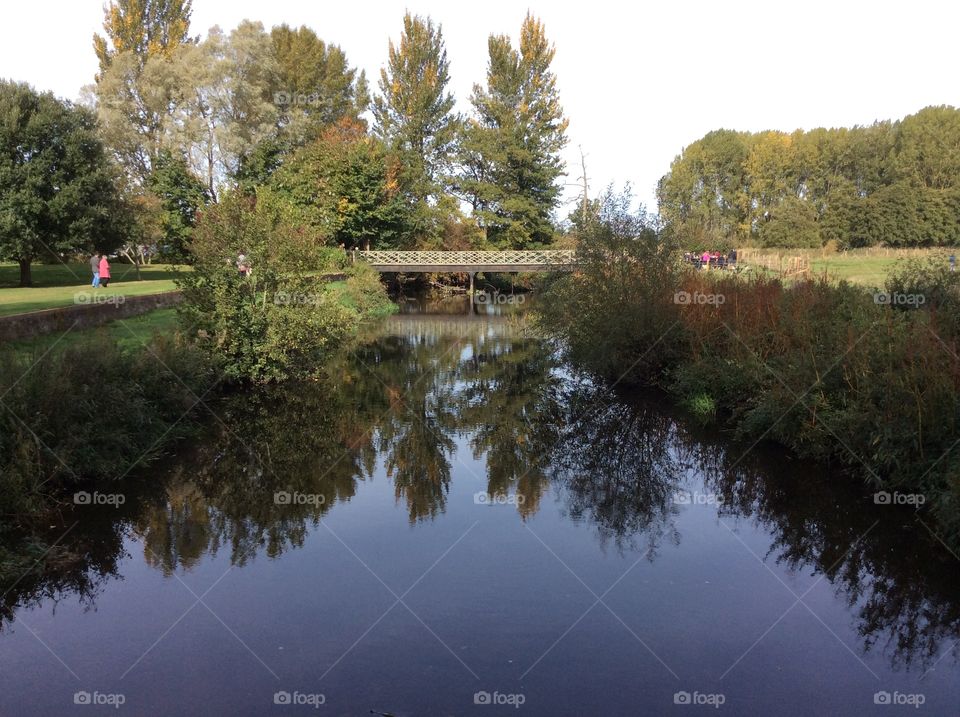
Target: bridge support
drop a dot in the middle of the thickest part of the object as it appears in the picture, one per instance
(472, 274)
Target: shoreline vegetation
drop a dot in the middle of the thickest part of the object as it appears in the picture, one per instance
(106, 401)
(865, 380)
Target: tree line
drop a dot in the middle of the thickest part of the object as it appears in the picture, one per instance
(890, 183)
(174, 122)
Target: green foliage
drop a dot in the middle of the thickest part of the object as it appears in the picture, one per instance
(342, 186)
(793, 224)
(413, 114)
(181, 196)
(282, 320)
(91, 411)
(57, 191)
(315, 78)
(616, 313)
(143, 27)
(827, 370)
(510, 152)
(891, 183)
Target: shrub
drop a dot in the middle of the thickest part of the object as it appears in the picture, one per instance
(282, 319)
(91, 411)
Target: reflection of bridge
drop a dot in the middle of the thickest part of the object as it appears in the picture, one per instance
(471, 262)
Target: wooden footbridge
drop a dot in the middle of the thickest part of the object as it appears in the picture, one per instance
(468, 262)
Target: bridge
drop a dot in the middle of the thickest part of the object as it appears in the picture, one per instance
(469, 262)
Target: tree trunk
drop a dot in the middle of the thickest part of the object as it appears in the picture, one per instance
(26, 279)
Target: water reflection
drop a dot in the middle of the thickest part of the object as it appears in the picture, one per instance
(413, 401)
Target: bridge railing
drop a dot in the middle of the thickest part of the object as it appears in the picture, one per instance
(510, 257)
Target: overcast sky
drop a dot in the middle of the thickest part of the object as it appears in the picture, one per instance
(638, 81)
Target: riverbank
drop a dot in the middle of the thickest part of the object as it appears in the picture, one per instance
(865, 381)
(87, 406)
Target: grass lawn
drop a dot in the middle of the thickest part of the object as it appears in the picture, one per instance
(869, 271)
(129, 334)
(57, 285)
(866, 267)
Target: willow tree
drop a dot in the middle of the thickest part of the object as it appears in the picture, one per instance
(510, 151)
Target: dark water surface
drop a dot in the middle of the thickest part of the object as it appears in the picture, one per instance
(454, 518)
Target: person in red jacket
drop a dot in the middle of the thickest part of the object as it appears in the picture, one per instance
(104, 271)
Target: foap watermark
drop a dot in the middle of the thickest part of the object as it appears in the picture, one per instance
(284, 298)
(502, 699)
(684, 497)
(83, 497)
(308, 99)
(89, 298)
(685, 298)
(896, 298)
(285, 497)
(300, 699)
(900, 699)
(100, 699)
(896, 498)
(699, 699)
(498, 299)
(483, 498)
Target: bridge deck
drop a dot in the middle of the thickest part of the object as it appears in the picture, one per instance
(469, 261)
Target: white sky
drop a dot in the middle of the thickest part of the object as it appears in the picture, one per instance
(638, 81)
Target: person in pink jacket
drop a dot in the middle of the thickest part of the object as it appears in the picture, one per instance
(104, 271)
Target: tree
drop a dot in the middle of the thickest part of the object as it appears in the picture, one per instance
(227, 108)
(136, 102)
(705, 197)
(145, 28)
(510, 152)
(792, 223)
(57, 191)
(315, 78)
(180, 196)
(345, 187)
(413, 113)
(314, 88)
(138, 85)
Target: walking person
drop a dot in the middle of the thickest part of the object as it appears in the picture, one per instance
(95, 268)
(104, 271)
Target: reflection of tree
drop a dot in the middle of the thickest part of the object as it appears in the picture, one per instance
(45, 565)
(615, 465)
(298, 440)
(405, 399)
(510, 406)
(899, 581)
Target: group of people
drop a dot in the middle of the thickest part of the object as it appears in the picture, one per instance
(101, 270)
(711, 259)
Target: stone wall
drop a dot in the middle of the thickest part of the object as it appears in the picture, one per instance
(81, 316)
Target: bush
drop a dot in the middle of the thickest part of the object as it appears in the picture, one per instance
(91, 412)
(282, 319)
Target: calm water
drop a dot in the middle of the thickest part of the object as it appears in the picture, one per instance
(454, 518)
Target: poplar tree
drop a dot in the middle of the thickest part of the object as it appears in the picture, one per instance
(413, 113)
(510, 151)
(147, 28)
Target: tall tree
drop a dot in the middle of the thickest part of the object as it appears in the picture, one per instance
(57, 192)
(137, 85)
(414, 111)
(315, 78)
(510, 152)
(146, 28)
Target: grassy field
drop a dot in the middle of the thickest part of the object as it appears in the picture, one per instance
(128, 334)
(57, 285)
(867, 267)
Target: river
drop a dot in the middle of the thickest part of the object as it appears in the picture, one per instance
(454, 522)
